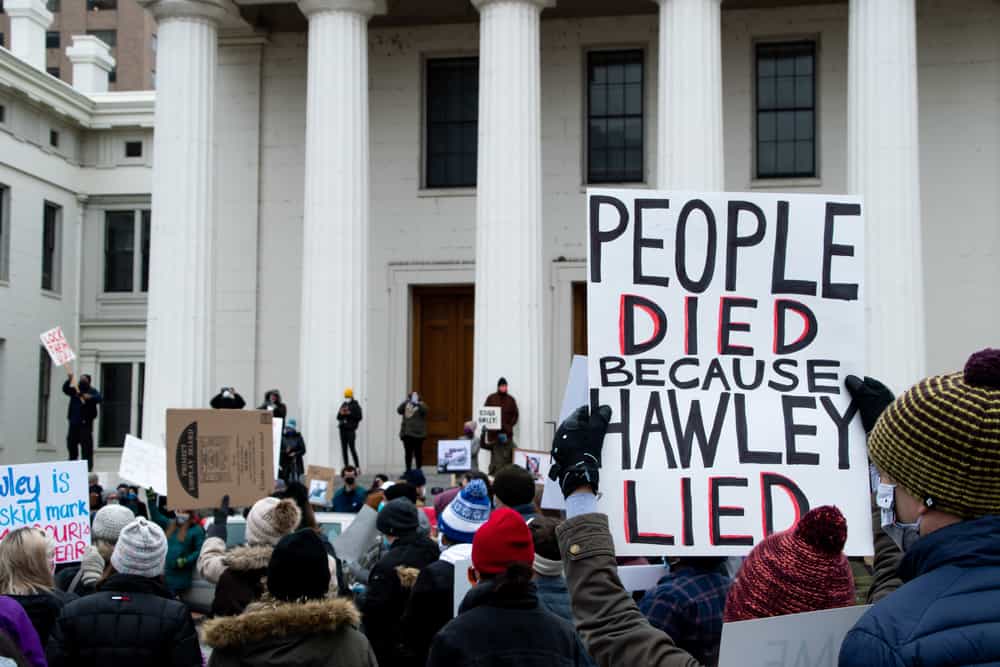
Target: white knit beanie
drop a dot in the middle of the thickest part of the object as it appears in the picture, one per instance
(141, 549)
(109, 521)
(271, 519)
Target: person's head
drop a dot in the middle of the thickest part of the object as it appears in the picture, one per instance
(299, 568)
(475, 474)
(548, 559)
(291, 425)
(502, 385)
(227, 392)
(350, 475)
(379, 480)
(416, 477)
(801, 569)
(26, 562)
(348, 393)
(414, 396)
(398, 518)
(107, 526)
(141, 550)
(85, 381)
(395, 490)
(270, 519)
(122, 490)
(513, 486)
(469, 429)
(274, 396)
(299, 494)
(465, 514)
(949, 420)
(503, 549)
(93, 479)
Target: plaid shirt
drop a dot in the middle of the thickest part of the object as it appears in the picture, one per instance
(687, 604)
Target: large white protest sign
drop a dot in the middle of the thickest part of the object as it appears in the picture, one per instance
(812, 638)
(489, 418)
(144, 464)
(50, 496)
(57, 346)
(720, 328)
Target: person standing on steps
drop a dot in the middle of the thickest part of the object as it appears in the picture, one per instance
(348, 418)
(413, 429)
(501, 442)
(83, 401)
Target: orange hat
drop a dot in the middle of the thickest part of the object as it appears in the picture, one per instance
(348, 393)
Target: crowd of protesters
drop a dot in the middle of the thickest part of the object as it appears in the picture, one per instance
(545, 589)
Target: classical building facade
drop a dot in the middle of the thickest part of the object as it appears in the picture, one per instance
(389, 197)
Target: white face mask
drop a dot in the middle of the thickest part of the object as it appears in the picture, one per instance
(182, 518)
(414, 398)
(903, 534)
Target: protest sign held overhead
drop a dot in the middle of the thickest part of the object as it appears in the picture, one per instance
(144, 464)
(721, 327)
(212, 453)
(57, 346)
(50, 496)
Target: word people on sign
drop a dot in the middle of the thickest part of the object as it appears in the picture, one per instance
(58, 348)
(50, 496)
(721, 327)
(489, 418)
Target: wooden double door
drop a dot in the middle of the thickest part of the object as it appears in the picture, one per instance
(443, 325)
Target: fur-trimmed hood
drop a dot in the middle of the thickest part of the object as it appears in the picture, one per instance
(248, 557)
(270, 619)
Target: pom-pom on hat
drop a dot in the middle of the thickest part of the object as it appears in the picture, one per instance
(466, 513)
(940, 440)
(799, 570)
(271, 519)
(502, 541)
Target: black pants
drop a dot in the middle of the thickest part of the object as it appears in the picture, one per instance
(414, 449)
(81, 436)
(347, 439)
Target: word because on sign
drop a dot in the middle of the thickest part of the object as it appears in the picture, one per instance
(721, 327)
(50, 496)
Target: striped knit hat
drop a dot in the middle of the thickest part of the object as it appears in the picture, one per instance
(940, 440)
(802, 569)
(141, 549)
(466, 513)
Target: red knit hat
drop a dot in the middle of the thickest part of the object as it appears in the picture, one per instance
(802, 569)
(502, 541)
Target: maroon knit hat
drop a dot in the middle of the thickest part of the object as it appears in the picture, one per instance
(802, 569)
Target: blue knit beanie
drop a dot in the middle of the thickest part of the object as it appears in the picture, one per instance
(466, 513)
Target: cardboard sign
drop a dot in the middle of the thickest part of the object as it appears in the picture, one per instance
(577, 393)
(813, 638)
(454, 455)
(721, 327)
(277, 426)
(50, 496)
(144, 464)
(320, 481)
(211, 453)
(537, 463)
(489, 418)
(58, 348)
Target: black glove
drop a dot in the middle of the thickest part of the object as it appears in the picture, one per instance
(219, 518)
(576, 449)
(871, 396)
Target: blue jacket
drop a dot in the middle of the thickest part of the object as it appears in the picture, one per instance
(948, 610)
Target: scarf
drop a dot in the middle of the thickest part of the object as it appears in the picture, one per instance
(547, 568)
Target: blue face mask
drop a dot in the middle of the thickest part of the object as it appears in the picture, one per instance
(903, 534)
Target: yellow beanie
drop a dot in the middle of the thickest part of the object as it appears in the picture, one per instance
(348, 393)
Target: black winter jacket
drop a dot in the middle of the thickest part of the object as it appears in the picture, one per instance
(431, 606)
(128, 621)
(43, 609)
(504, 629)
(350, 421)
(389, 587)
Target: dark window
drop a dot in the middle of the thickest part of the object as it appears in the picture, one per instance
(109, 37)
(50, 247)
(3, 109)
(146, 225)
(615, 132)
(44, 390)
(786, 110)
(52, 39)
(452, 122)
(142, 396)
(53, 71)
(97, 5)
(133, 149)
(113, 75)
(54, 134)
(2, 37)
(116, 403)
(119, 250)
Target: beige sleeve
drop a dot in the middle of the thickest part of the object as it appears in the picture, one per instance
(210, 565)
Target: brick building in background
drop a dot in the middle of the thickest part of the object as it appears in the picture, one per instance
(121, 24)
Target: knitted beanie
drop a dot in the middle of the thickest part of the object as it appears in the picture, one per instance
(940, 440)
(271, 519)
(400, 490)
(514, 486)
(799, 570)
(416, 477)
(548, 559)
(299, 568)
(141, 549)
(502, 541)
(466, 513)
(109, 521)
(398, 518)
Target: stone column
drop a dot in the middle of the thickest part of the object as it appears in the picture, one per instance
(333, 342)
(508, 327)
(689, 136)
(29, 19)
(92, 63)
(883, 167)
(179, 334)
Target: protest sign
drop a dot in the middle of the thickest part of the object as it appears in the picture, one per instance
(276, 428)
(720, 329)
(537, 463)
(357, 539)
(212, 453)
(813, 638)
(454, 455)
(50, 496)
(144, 464)
(320, 481)
(58, 348)
(489, 418)
(462, 583)
(576, 394)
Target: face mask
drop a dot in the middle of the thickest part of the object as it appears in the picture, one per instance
(182, 519)
(902, 534)
(349, 481)
(414, 398)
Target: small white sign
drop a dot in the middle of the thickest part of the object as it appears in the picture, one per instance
(144, 464)
(454, 455)
(276, 428)
(58, 348)
(489, 418)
